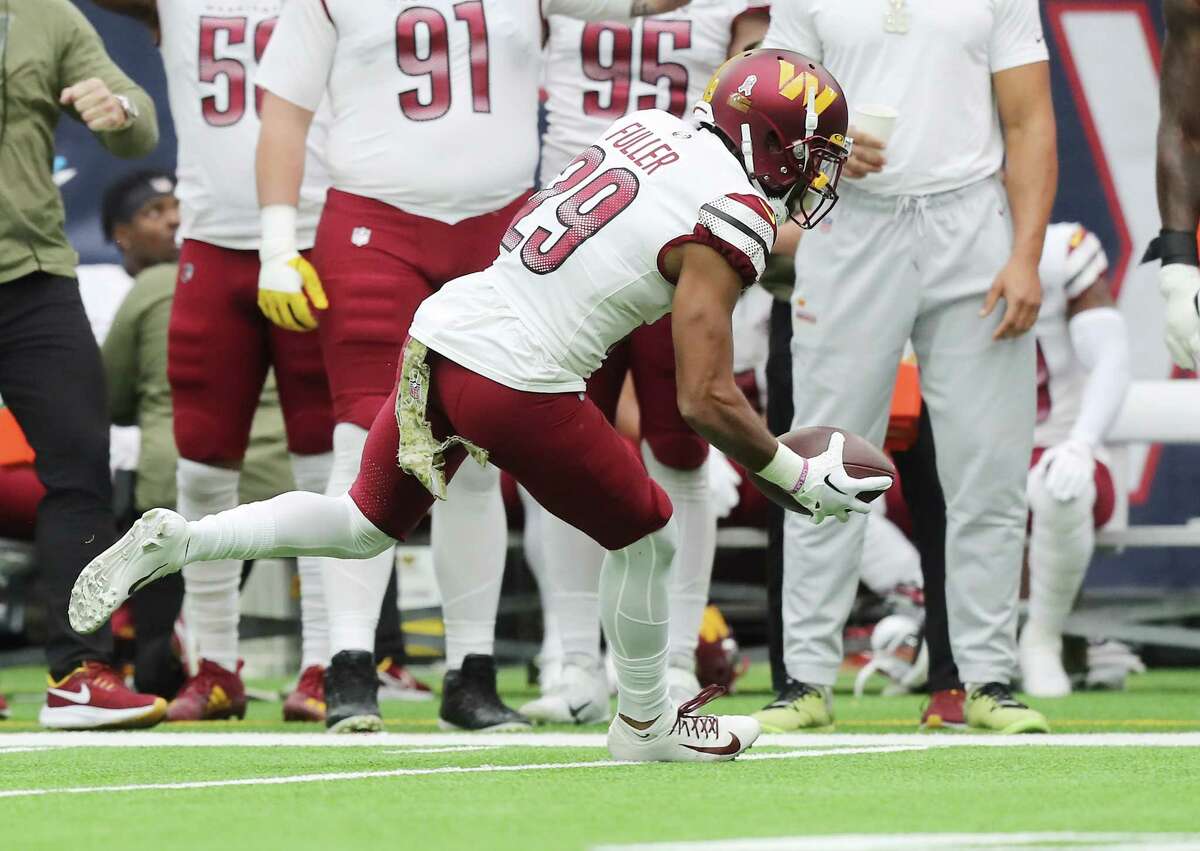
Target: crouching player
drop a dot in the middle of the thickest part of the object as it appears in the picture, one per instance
(1083, 375)
(660, 215)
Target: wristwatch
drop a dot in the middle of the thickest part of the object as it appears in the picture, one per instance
(131, 111)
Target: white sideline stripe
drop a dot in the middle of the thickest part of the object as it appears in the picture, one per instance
(884, 842)
(401, 772)
(4, 750)
(454, 749)
(574, 740)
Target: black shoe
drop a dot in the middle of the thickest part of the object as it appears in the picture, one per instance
(470, 701)
(352, 693)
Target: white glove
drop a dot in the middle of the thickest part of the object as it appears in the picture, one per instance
(1179, 284)
(723, 482)
(821, 484)
(1066, 469)
(288, 285)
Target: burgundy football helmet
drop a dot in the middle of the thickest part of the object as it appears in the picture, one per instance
(787, 118)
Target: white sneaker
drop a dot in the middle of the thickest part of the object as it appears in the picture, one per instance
(684, 738)
(579, 697)
(682, 684)
(153, 548)
(1040, 657)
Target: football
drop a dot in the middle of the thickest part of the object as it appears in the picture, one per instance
(860, 457)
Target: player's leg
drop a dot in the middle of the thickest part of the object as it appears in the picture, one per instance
(308, 422)
(1061, 542)
(849, 290)
(549, 658)
(980, 394)
(216, 362)
(573, 564)
(582, 471)
(676, 457)
(361, 254)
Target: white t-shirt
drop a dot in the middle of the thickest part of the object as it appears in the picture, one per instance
(1072, 261)
(435, 106)
(938, 76)
(580, 268)
(210, 50)
(598, 72)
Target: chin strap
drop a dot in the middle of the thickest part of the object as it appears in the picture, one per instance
(747, 150)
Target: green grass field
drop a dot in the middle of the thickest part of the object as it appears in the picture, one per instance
(1121, 771)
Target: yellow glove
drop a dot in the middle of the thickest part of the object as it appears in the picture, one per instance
(288, 285)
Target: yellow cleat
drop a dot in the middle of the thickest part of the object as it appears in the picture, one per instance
(992, 707)
(799, 706)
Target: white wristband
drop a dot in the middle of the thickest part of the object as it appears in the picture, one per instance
(787, 470)
(278, 231)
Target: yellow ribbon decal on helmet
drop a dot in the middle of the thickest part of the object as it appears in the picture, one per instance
(793, 85)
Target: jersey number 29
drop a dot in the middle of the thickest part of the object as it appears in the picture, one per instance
(593, 200)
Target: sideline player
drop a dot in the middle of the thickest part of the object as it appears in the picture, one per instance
(220, 346)
(1083, 376)
(1179, 180)
(595, 73)
(660, 215)
(432, 148)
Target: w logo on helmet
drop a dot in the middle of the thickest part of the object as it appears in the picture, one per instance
(793, 85)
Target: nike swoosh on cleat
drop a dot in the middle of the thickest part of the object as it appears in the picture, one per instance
(734, 746)
(146, 580)
(575, 710)
(84, 695)
(637, 726)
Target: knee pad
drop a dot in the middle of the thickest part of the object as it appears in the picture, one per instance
(665, 541)
(1056, 514)
(683, 450)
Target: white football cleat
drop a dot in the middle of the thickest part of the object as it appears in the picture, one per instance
(1040, 657)
(682, 684)
(153, 548)
(579, 697)
(687, 737)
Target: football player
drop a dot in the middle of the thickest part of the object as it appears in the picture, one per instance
(220, 346)
(595, 73)
(432, 149)
(1083, 376)
(659, 215)
(1179, 180)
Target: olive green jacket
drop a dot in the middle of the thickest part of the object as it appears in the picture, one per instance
(135, 363)
(47, 46)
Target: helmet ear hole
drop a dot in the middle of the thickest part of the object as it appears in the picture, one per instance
(774, 143)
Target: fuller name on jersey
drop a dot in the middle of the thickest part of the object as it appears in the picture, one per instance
(581, 264)
(597, 72)
(1072, 261)
(211, 50)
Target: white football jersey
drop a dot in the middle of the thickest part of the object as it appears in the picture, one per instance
(581, 264)
(435, 105)
(1072, 260)
(211, 50)
(598, 72)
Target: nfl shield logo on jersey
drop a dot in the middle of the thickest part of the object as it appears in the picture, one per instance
(360, 236)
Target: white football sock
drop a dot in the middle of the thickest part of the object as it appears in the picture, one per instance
(634, 603)
(691, 574)
(354, 590)
(470, 542)
(888, 559)
(573, 565)
(532, 541)
(1061, 542)
(211, 590)
(312, 474)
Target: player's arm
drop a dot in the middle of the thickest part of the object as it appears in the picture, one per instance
(143, 11)
(293, 73)
(749, 29)
(1031, 179)
(1101, 342)
(1179, 180)
(706, 292)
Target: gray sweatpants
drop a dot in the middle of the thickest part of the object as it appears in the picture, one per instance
(888, 270)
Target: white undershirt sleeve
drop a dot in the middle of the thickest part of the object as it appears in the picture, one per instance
(793, 28)
(1017, 37)
(1101, 342)
(299, 57)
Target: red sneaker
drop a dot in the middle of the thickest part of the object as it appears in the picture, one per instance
(396, 682)
(944, 709)
(307, 701)
(94, 697)
(3, 708)
(214, 694)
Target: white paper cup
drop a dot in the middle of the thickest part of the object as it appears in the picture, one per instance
(876, 119)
